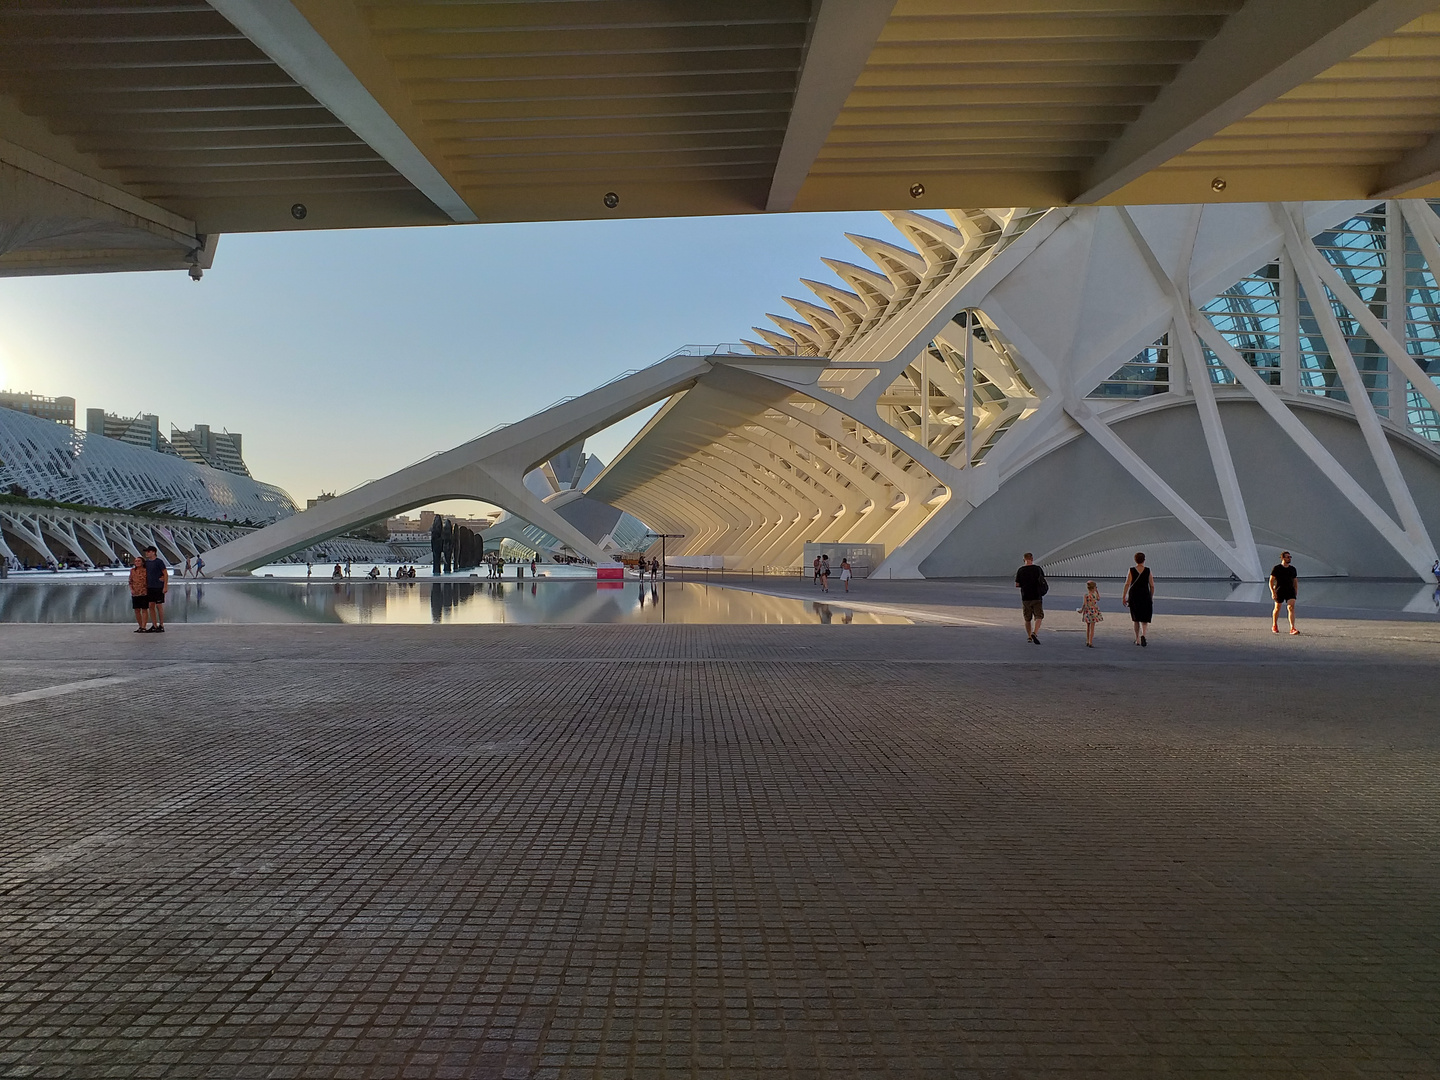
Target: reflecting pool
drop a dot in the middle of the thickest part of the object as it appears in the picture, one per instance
(62, 600)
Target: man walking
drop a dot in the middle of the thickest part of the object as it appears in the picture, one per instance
(1284, 580)
(157, 580)
(1030, 580)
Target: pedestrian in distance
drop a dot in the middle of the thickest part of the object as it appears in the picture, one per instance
(189, 571)
(1030, 580)
(845, 573)
(1090, 612)
(157, 580)
(139, 593)
(817, 569)
(654, 570)
(199, 566)
(1284, 588)
(825, 573)
(1139, 596)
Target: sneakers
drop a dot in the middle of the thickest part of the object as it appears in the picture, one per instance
(1143, 642)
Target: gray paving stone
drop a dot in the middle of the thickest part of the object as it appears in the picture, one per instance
(721, 851)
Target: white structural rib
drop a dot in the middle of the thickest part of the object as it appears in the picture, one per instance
(287, 37)
(490, 468)
(1265, 49)
(1333, 471)
(1241, 555)
(1306, 258)
(843, 37)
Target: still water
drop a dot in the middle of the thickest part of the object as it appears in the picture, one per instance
(61, 600)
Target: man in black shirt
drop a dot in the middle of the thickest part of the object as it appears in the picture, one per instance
(157, 580)
(1283, 590)
(1030, 580)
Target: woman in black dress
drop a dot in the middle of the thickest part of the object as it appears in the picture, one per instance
(1139, 596)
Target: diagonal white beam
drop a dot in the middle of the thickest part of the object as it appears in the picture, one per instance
(1221, 461)
(843, 37)
(1389, 344)
(1311, 446)
(159, 220)
(490, 468)
(1307, 266)
(1156, 486)
(1265, 49)
(287, 37)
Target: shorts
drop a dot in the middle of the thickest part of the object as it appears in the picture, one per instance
(140, 603)
(157, 596)
(1032, 609)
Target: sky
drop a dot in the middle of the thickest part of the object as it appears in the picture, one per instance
(343, 356)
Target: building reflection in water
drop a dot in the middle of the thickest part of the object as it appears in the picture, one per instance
(413, 602)
(107, 600)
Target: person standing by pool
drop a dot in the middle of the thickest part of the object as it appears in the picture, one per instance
(1090, 612)
(139, 593)
(845, 573)
(817, 569)
(825, 573)
(157, 580)
(1139, 596)
(1030, 580)
(1284, 588)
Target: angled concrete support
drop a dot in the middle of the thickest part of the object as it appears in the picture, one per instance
(490, 468)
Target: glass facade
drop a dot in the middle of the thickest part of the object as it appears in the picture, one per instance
(1248, 314)
(1376, 254)
(1148, 373)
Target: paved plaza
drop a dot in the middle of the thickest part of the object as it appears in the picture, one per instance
(721, 851)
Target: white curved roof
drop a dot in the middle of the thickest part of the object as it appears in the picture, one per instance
(52, 461)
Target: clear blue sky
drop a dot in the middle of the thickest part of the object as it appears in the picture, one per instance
(343, 356)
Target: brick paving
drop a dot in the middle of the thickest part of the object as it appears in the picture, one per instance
(720, 851)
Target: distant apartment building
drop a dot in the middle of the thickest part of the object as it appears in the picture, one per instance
(218, 449)
(59, 409)
(404, 528)
(142, 430)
